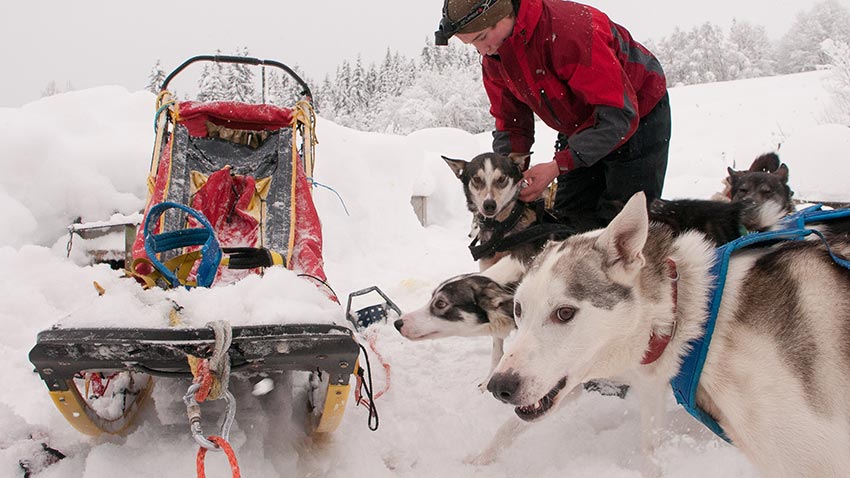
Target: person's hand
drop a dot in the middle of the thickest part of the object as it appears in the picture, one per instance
(538, 178)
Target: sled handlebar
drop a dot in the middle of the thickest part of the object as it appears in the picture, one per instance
(244, 60)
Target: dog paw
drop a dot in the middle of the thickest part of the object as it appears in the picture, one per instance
(607, 388)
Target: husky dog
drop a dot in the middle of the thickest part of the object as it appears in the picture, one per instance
(629, 298)
(765, 182)
(491, 184)
(764, 185)
(469, 305)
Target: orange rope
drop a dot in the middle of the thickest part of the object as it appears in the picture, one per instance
(205, 378)
(228, 451)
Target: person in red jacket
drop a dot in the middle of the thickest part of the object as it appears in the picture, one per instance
(586, 78)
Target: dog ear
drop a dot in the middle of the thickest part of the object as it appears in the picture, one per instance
(497, 297)
(521, 159)
(457, 165)
(782, 173)
(766, 163)
(624, 238)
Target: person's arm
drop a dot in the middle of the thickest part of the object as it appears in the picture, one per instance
(514, 119)
(597, 78)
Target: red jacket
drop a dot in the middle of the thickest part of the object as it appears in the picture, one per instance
(581, 73)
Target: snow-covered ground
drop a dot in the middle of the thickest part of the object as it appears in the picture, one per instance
(86, 154)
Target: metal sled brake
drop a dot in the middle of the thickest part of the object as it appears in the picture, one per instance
(228, 197)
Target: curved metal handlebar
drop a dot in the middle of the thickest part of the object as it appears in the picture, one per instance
(243, 60)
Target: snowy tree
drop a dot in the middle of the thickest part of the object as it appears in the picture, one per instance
(211, 84)
(453, 99)
(325, 98)
(749, 51)
(239, 80)
(839, 82)
(53, 89)
(282, 89)
(706, 54)
(800, 48)
(155, 78)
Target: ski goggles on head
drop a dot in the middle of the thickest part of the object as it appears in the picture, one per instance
(448, 28)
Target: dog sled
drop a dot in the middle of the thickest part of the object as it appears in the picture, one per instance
(229, 196)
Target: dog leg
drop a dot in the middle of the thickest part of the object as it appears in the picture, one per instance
(652, 421)
(504, 438)
(509, 432)
(495, 357)
(506, 271)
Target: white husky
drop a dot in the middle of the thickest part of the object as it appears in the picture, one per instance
(628, 299)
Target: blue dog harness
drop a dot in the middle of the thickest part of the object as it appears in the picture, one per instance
(685, 383)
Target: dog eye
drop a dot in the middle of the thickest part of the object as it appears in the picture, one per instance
(440, 304)
(517, 310)
(502, 181)
(564, 314)
(477, 182)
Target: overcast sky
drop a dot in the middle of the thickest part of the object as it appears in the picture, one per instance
(103, 42)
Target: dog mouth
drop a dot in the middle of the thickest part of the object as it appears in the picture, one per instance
(425, 336)
(542, 406)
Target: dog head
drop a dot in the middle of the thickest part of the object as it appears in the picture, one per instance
(491, 181)
(465, 305)
(570, 309)
(764, 185)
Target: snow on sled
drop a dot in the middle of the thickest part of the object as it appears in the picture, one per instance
(229, 274)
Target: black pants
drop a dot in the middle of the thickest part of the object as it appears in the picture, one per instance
(590, 197)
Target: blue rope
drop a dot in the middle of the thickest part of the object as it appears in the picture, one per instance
(158, 111)
(313, 182)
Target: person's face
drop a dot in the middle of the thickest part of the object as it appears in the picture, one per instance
(488, 41)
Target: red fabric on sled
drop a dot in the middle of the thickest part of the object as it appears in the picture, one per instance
(307, 237)
(307, 248)
(231, 114)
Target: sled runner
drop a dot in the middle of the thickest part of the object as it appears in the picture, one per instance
(228, 196)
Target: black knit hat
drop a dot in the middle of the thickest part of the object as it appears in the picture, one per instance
(469, 16)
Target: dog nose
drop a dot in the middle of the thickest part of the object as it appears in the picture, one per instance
(398, 324)
(489, 206)
(504, 386)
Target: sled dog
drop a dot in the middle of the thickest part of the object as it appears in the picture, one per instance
(763, 185)
(627, 299)
(469, 305)
(491, 184)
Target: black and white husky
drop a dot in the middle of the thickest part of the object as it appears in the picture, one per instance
(491, 183)
(468, 305)
(628, 299)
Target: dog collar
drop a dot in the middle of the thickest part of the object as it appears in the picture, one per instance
(658, 342)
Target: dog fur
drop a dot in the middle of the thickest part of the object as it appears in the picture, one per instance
(776, 376)
(720, 221)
